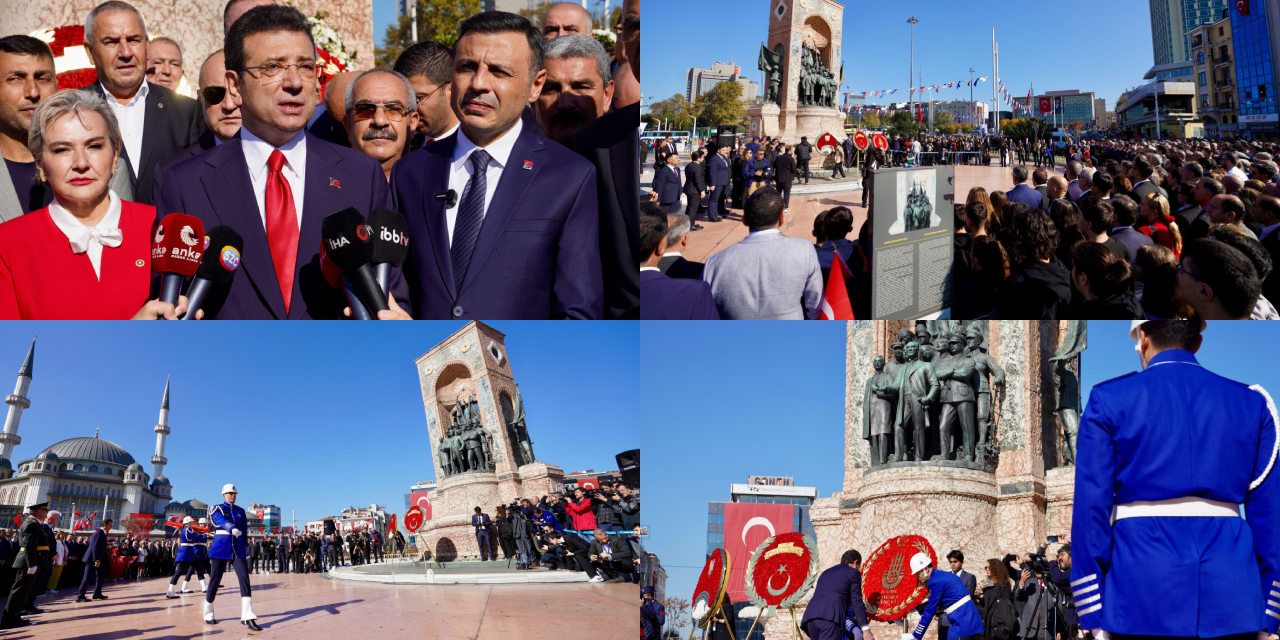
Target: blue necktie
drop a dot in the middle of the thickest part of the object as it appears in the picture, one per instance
(466, 227)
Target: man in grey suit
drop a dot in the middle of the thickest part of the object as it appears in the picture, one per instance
(766, 276)
(28, 66)
(956, 558)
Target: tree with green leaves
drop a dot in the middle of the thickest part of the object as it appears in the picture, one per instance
(722, 104)
(903, 123)
(870, 119)
(674, 113)
(438, 20)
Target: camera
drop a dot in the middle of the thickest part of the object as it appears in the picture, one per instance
(1037, 564)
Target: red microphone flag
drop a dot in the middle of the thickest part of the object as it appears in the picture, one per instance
(178, 245)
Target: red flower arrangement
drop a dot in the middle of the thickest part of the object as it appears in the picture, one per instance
(69, 36)
(77, 79)
(712, 582)
(888, 587)
(328, 66)
(782, 570)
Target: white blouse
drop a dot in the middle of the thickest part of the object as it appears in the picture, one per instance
(90, 240)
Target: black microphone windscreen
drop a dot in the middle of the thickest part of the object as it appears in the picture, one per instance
(348, 239)
(390, 237)
(222, 256)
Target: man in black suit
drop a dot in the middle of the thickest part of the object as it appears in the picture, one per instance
(956, 558)
(97, 562)
(804, 151)
(1143, 185)
(1206, 190)
(839, 589)
(1266, 210)
(784, 173)
(1040, 177)
(221, 116)
(673, 263)
(155, 122)
(695, 186)
(718, 174)
(848, 150)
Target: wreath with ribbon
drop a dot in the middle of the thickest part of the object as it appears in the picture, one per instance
(793, 555)
(712, 583)
(70, 61)
(888, 586)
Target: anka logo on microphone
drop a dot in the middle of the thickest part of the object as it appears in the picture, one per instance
(188, 236)
(230, 258)
(392, 235)
(160, 234)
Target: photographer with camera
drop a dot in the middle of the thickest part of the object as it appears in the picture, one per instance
(506, 532)
(612, 556)
(627, 504)
(577, 553)
(581, 516)
(604, 504)
(1060, 576)
(1039, 598)
(551, 548)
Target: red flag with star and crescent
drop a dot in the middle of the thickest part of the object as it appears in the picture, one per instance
(746, 526)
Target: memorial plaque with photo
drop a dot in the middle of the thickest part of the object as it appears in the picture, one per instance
(913, 242)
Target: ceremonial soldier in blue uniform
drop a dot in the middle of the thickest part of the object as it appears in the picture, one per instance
(948, 593)
(229, 547)
(1174, 529)
(188, 562)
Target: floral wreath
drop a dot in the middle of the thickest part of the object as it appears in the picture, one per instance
(786, 553)
(70, 61)
(334, 56)
(711, 584)
(882, 569)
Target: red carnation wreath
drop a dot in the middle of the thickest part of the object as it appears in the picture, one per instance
(787, 559)
(74, 69)
(888, 586)
(711, 583)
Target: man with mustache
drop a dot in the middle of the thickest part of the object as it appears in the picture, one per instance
(276, 182)
(381, 115)
(578, 89)
(155, 121)
(221, 115)
(504, 222)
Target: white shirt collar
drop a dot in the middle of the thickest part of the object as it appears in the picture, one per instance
(257, 151)
(671, 253)
(499, 150)
(448, 133)
(138, 97)
(760, 233)
(650, 269)
(73, 229)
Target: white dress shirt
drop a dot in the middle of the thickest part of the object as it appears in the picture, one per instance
(86, 239)
(460, 170)
(444, 135)
(132, 118)
(256, 154)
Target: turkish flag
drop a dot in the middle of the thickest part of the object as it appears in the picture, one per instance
(1045, 105)
(588, 483)
(746, 526)
(835, 300)
(1243, 7)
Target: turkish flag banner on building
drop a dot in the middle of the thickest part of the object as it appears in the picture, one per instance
(1045, 105)
(588, 483)
(746, 526)
(1243, 7)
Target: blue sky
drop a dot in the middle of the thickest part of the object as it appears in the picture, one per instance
(1088, 45)
(312, 417)
(765, 398)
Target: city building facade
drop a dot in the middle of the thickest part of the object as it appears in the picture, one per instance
(1177, 116)
(699, 81)
(1172, 19)
(1254, 59)
(1212, 54)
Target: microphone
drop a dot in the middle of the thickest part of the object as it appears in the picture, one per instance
(449, 198)
(176, 252)
(333, 275)
(390, 244)
(217, 268)
(349, 241)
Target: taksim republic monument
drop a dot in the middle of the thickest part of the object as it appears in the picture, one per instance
(480, 446)
(1014, 382)
(803, 72)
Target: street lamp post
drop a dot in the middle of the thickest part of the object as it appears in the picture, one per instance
(971, 113)
(910, 70)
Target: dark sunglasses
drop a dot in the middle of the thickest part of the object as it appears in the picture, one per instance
(213, 95)
(366, 111)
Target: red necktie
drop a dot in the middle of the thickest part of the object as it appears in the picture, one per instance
(282, 225)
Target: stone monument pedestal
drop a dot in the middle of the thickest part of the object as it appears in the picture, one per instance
(812, 122)
(763, 120)
(539, 479)
(451, 536)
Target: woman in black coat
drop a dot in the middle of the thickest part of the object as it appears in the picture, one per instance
(506, 533)
(996, 603)
(1039, 287)
(1103, 281)
(723, 620)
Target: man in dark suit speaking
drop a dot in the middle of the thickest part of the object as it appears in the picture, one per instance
(838, 590)
(275, 183)
(504, 222)
(97, 562)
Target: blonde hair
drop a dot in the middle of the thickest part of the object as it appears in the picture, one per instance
(1160, 205)
(70, 101)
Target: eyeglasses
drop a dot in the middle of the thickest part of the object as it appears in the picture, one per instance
(305, 69)
(366, 110)
(430, 93)
(213, 95)
(1182, 270)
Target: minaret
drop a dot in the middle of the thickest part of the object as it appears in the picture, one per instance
(158, 461)
(17, 402)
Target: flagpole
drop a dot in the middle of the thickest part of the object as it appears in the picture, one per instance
(995, 68)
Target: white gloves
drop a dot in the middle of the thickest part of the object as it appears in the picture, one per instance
(32, 570)
(1099, 634)
(235, 532)
(907, 636)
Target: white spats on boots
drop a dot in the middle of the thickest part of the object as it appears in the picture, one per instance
(203, 586)
(206, 608)
(246, 609)
(183, 589)
(170, 594)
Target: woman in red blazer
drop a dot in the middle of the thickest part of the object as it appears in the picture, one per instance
(87, 256)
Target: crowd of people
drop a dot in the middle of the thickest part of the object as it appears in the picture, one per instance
(92, 172)
(1180, 229)
(589, 530)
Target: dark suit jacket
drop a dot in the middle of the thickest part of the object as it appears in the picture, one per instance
(1185, 218)
(678, 267)
(1142, 189)
(667, 184)
(1044, 197)
(695, 179)
(838, 588)
(215, 187)
(97, 549)
(206, 142)
(538, 252)
(611, 144)
(327, 128)
(1026, 195)
(172, 123)
(784, 168)
(1271, 286)
(664, 298)
(718, 171)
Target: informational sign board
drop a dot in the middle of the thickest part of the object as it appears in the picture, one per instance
(913, 241)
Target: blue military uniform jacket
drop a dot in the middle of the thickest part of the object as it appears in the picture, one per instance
(188, 543)
(652, 616)
(225, 546)
(948, 593)
(1176, 431)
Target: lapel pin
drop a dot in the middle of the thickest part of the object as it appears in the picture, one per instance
(140, 263)
(335, 183)
(528, 165)
(159, 105)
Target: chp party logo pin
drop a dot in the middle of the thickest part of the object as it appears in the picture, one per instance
(230, 258)
(528, 165)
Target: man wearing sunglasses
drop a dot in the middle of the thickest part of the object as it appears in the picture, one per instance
(275, 183)
(381, 115)
(221, 115)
